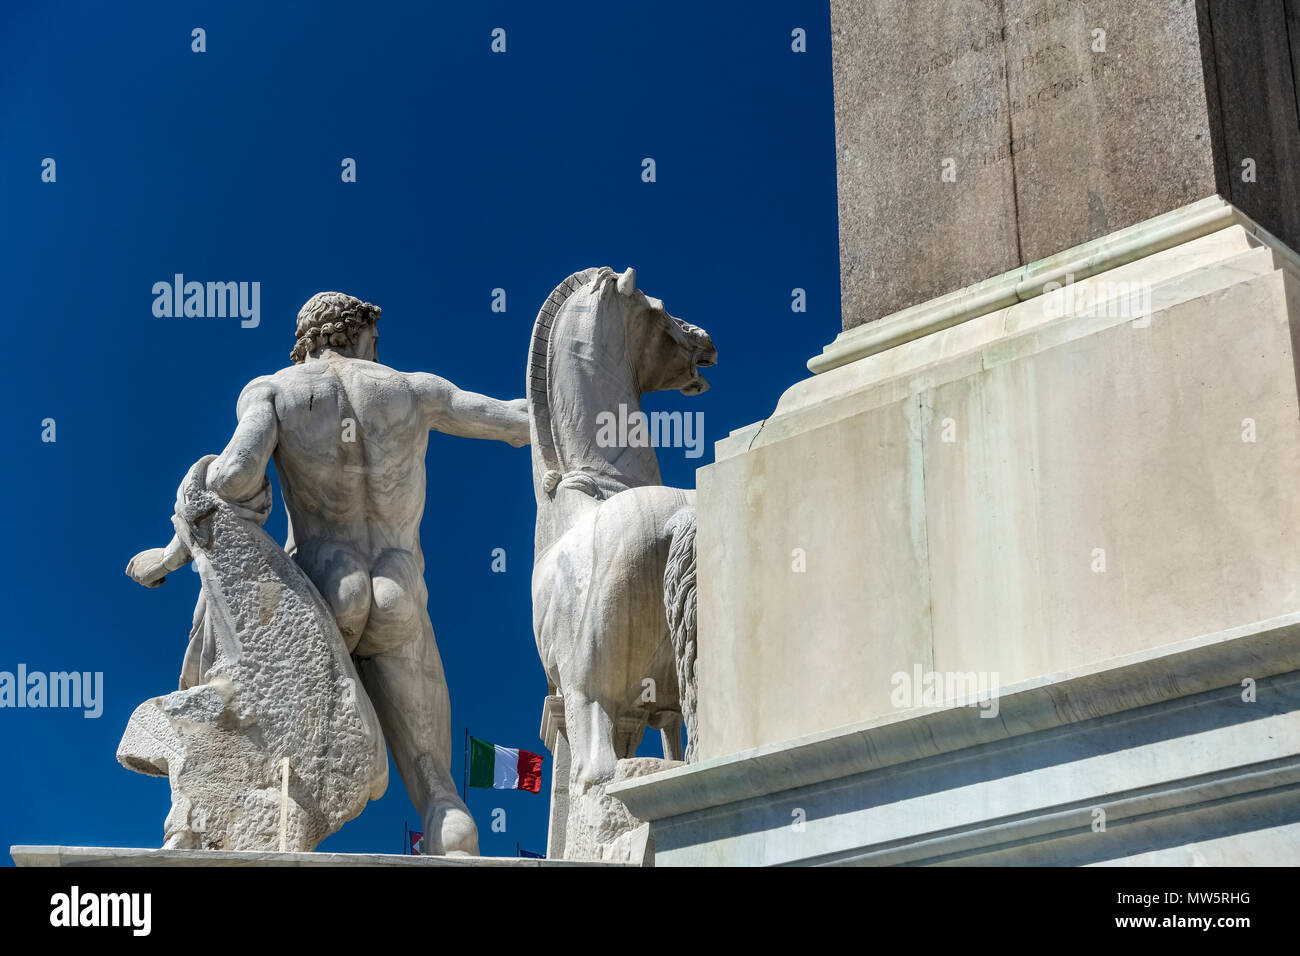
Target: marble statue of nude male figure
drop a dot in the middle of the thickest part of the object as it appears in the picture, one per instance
(348, 436)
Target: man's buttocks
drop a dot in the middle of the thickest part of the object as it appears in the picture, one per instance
(379, 604)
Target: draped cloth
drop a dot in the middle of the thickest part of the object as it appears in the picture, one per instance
(268, 690)
(205, 639)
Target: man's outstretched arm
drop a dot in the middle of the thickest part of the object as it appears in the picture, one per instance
(455, 411)
(239, 469)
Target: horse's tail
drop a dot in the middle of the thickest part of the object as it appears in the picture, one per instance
(679, 602)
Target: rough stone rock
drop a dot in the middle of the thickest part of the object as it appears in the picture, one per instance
(601, 827)
(278, 682)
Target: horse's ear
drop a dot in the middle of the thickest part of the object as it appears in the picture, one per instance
(627, 282)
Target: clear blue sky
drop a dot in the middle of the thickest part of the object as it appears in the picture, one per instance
(475, 171)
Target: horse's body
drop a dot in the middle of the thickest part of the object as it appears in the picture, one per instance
(607, 575)
(613, 578)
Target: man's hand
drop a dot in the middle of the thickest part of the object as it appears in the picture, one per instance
(148, 567)
(151, 567)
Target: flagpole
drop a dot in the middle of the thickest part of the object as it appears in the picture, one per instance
(406, 839)
(464, 761)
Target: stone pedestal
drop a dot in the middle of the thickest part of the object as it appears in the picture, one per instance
(1153, 759)
(1021, 552)
(1017, 489)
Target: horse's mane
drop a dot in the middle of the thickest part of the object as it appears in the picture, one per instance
(539, 361)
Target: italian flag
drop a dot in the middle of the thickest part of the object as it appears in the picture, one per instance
(503, 768)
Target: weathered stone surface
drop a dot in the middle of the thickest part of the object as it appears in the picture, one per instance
(1103, 139)
(1292, 12)
(903, 104)
(604, 829)
(277, 682)
(1250, 59)
(1052, 140)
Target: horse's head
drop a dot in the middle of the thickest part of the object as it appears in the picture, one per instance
(666, 352)
(598, 345)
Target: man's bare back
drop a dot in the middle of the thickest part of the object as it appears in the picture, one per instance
(353, 435)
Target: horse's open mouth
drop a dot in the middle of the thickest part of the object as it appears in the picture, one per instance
(698, 383)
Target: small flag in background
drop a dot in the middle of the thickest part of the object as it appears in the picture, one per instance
(503, 768)
(520, 851)
(416, 837)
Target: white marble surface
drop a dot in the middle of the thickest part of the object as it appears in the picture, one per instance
(1012, 500)
(1161, 741)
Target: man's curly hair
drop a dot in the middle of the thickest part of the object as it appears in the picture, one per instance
(331, 318)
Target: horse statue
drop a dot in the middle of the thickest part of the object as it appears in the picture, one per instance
(614, 570)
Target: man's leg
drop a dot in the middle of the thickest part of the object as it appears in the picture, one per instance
(409, 691)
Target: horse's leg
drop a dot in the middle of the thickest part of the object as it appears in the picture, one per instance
(592, 761)
(590, 724)
(627, 737)
(670, 734)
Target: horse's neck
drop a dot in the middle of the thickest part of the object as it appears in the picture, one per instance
(594, 402)
(593, 392)
(597, 435)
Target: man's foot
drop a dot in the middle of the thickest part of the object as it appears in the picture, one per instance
(449, 830)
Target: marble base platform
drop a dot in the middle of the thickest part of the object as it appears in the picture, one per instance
(1154, 759)
(135, 856)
